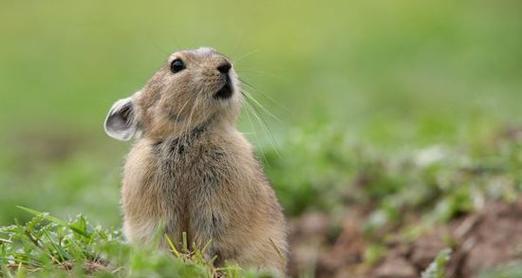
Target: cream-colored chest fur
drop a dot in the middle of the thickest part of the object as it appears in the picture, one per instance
(193, 185)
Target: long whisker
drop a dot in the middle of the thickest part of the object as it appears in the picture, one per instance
(270, 74)
(263, 123)
(254, 128)
(264, 95)
(251, 98)
(248, 54)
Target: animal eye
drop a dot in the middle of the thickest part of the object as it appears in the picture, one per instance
(177, 65)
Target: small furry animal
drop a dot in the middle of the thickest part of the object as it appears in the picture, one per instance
(191, 171)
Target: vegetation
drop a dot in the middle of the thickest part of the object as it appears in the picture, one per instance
(437, 267)
(48, 246)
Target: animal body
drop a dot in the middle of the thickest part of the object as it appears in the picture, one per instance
(191, 171)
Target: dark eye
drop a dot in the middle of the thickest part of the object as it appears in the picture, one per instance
(177, 65)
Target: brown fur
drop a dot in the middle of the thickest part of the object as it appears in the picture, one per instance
(191, 170)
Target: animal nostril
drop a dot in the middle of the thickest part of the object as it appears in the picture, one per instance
(224, 68)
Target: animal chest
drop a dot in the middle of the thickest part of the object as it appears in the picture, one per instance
(192, 177)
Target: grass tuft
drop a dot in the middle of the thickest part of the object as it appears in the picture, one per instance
(47, 245)
(438, 267)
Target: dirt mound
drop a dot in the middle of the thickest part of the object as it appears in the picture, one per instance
(481, 240)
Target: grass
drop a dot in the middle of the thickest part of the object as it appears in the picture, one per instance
(337, 171)
(47, 245)
(437, 267)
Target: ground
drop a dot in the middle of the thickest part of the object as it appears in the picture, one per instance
(480, 241)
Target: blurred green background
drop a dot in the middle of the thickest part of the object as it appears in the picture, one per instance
(393, 74)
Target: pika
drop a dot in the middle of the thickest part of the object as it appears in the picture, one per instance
(191, 171)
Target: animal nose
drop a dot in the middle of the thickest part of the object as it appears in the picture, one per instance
(224, 68)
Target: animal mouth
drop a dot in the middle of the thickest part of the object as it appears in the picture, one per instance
(225, 91)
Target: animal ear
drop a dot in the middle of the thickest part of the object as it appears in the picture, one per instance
(121, 121)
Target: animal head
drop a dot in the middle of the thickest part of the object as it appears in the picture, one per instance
(192, 88)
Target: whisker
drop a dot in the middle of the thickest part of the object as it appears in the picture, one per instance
(249, 96)
(264, 95)
(263, 123)
(248, 54)
(254, 129)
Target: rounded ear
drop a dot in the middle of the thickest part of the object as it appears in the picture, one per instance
(121, 122)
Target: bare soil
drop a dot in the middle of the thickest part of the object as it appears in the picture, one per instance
(481, 240)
